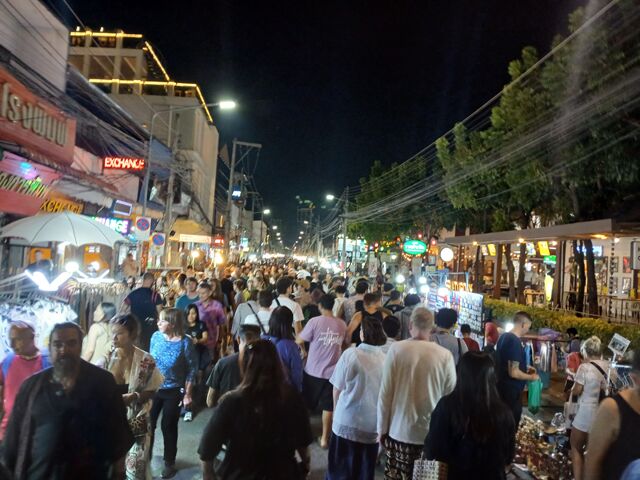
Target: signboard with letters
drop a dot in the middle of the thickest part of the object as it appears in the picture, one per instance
(33, 123)
(120, 225)
(187, 238)
(414, 247)
(55, 205)
(23, 186)
(123, 163)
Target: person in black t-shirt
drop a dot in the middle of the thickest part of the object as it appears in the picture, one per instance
(263, 423)
(226, 374)
(145, 304)
(197, 332)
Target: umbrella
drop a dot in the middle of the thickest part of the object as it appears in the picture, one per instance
(62, 227)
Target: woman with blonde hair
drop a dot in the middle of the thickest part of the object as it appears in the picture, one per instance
(589, 381)
(175, 356)
(97, 343)
(136, 373)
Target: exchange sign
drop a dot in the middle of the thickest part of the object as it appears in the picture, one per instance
(414, 247)
(123, 163)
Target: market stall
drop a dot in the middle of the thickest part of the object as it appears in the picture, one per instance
(43, 296)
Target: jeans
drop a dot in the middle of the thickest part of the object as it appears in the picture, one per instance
(168, 402)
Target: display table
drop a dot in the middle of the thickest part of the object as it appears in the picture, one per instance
(543, 450)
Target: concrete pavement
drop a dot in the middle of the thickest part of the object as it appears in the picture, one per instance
(188, 463)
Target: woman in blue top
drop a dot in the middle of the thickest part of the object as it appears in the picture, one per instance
(175, 358)
(282, 335)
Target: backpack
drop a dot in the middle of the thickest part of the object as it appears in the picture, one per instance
(6, 363)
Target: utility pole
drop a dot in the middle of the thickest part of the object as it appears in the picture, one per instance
(232, 168)
(344, 230)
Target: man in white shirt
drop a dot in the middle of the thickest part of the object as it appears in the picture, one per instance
(417, 374)
(284, 286)
(262, 316)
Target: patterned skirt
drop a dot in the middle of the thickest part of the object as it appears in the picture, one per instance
(400, 459)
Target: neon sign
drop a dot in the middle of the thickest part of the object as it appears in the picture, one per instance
(123, 163)
(120, 225)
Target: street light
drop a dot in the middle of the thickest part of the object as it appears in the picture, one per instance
(306, 222)
(301, 232)
(330, 197)
(227, 104)
(275, 227)
(266, 211)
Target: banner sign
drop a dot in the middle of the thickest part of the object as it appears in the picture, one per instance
(23, 185)
(123, 163)
(33, 123)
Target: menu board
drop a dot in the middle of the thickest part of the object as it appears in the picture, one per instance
(468, 305)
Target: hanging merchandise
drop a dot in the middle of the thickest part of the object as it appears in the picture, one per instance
(535, 396)
(40, 313)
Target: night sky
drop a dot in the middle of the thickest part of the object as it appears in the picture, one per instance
(329, 87)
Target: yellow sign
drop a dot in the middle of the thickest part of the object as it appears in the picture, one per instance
(543, 247)
(492, 249)
(55, 205)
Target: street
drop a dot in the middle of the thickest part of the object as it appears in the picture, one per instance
(188, 463)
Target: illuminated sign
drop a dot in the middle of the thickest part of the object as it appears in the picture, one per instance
(120, 225)
(23, 186)
(543, 247)
(414, 247)
(492, 249)
(123, 163)
(55, 205)
(120, 207)
(550, 259)
(236, 192)
(218, 241)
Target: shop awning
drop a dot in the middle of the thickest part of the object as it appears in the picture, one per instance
(597, 229)
(187, 230)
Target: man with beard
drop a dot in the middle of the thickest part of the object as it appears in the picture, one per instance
(68, 421)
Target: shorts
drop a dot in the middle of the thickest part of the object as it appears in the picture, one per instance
(584, 417)
(318, 393)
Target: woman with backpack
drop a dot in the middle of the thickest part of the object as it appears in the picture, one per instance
(590, 380)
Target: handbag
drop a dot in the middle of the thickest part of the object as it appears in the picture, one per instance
(424, 469)
(139, 426)
(570, 411)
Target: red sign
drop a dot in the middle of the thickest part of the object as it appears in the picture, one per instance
(123, 163)
(218, 241)
(23, 186)
(34, 124)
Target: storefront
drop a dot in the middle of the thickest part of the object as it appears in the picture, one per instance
(36, 142)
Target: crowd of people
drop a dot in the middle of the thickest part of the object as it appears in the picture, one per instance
(267, 346)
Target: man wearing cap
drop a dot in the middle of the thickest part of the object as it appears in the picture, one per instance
(446, 320)
(24, 361)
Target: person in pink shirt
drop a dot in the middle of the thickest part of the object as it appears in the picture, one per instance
(24, 361)
(213, 316)
(326, 335)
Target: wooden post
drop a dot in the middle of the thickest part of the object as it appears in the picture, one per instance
(497, 273)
